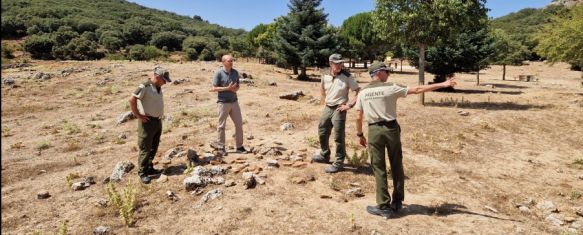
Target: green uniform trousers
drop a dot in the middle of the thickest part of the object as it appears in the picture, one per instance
(148, 140)
(381, 136)
(332, 119)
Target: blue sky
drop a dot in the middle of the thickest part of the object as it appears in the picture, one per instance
(246, 14)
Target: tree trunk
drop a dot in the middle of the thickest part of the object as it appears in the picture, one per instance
(295, 69)
(503, 72)
(422, 72)
(401, 64)
(478, 78)
(365, 64)
(303, 76)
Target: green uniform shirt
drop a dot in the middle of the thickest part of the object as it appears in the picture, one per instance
(337, 88)
(378, 101)
(150, 99)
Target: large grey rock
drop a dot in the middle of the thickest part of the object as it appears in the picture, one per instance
(120, 169)
(193, 182)
(211, 195)
(555, 219)
(8, 81)
(171, 153)
(102, 230)
(124, 117)
(203, 176)
(42, 76)
(547, 207)
(273, 163)
(355, 192)
(80, 186)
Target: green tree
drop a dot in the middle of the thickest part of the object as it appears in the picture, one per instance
(562, 38)
(12, 27)
(422, 23)
(112, 40)
(78, 49)
(362, 39)
(469, 52)
(507, 51)
(137, 52)
(303, 39)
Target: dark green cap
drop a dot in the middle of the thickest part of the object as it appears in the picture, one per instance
(377, 66)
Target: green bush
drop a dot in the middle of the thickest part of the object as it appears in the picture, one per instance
(7, 51)
(169, 40)
(151, 52)
(191, 54)
(12, 27)
(112, 40)
(78, 49)
(206, 55)
(40, 47)
(137, 52)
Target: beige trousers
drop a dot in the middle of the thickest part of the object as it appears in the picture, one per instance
(233, 110)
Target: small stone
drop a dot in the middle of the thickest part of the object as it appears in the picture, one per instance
(230, 183)
(578, 210)
(120, 169)
(353, 184)
(524, 209)
(89, 180)
(569, 219)
(42, 171)
(102, 230)
(463, 113)
(547, 207)
(43, 194)
(296, 158)
(250, 137)
(299, 164)
(171, 195)
(576, 225)
(298, 180)
(355, 192)
(580, 177)
(492, 209)
(273, 163)
(122, 136)
(286, 126)
(249, 180)
(101, 202)
(162, 179)
(325, 196)
(79, 186)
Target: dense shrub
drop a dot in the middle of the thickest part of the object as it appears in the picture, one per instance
(137, 52)
(78, 49)
(112, 40)
(39, 46)
(191, 54)
(206, 55)
(170, 40)
(12, 27)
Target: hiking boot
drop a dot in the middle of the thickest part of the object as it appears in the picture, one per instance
(222, 152)
(380, 211)
(321, 159)
(396, 206)
(334, 168)
(153, 171)
(242, 150)
(145, 179)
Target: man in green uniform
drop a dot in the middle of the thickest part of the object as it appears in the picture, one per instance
(377, 102)
(147, 105)
(334, 90)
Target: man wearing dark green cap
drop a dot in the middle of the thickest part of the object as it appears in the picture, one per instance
(377, 102)
(147, 105)
(334, 90)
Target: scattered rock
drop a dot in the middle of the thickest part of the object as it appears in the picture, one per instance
(246, 81)
(211, 195)
(299, 164)
(44, 194)
(314, 100)
(273, 163)
(124, 117)
(298, 180)
(8, 81)
(102, 230)
(162, 179)
(106, 180)
(230, 183)
(250, 137)
(286, 126)
(547, 207)
(272, 83)
(104, 81)
(101, 202)
(122, 136)
(42, 76)
(292, 96)
(528, 202)
(524, 209)
(202, 176)
(171, 195)
(576, 225)
(101, 70)
(179, 81)
(89, 180)
(120, 169)
(296, 158)
(249, 180)
(463, 113)
(79, 186)
(569, 219)
(580, 177)
(325, 196)
(578, 210)
(171, 153)
(355, 192)
(555, 219)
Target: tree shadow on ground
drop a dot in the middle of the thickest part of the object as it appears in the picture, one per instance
(499, 85)
(359, 170)
(441, 211)
(487, 91)
(175, 170)
(487, 105)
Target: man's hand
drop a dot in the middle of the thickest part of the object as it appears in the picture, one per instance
(143, 118)
(232, 87)
(450, 82)
(342, 108)
(362, 141)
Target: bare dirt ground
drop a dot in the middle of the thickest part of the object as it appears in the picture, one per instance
(464, 174)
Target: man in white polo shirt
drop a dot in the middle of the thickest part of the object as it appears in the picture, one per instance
(334, 89)
(147, 104)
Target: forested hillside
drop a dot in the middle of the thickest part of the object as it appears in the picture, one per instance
(85, 29)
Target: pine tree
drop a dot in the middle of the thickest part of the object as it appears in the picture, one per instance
(303, 38)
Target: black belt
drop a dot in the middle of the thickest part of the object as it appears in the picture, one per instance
(150, 117)
(333, 106)
(384, 123)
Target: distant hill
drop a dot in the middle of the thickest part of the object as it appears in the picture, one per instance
(109, 24)
(523, 24)
(567, 3)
